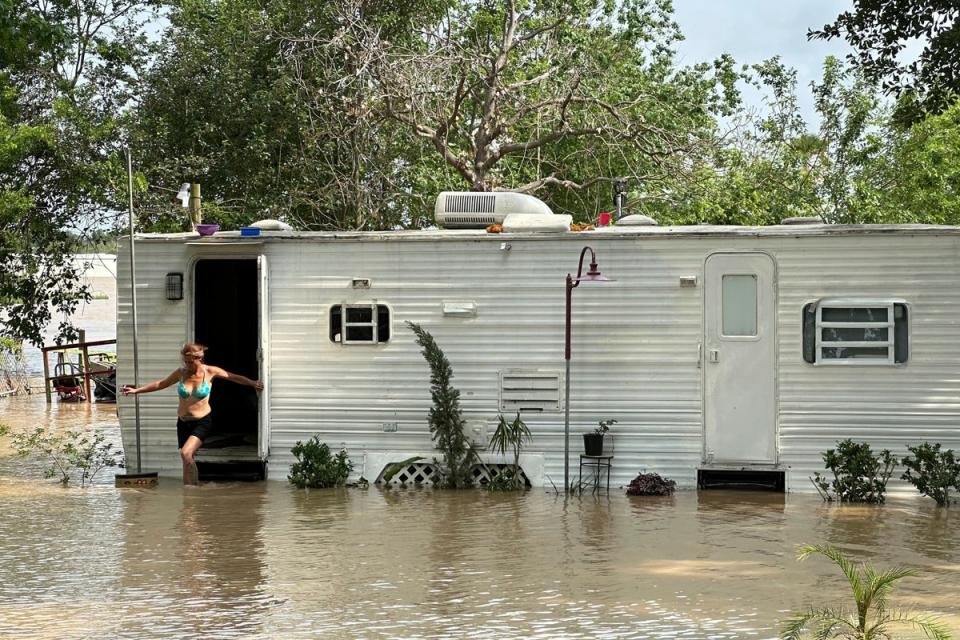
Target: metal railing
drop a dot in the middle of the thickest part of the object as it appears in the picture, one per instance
(83, 365)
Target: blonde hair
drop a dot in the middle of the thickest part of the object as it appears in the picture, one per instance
(194, 349)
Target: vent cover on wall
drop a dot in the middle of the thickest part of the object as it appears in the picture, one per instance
(529, 390)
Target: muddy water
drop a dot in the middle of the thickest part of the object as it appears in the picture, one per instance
(231, 560)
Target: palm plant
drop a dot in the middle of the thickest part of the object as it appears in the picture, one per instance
(511, 436)
(872, 619)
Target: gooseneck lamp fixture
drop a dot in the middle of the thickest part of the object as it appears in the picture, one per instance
(592, 275)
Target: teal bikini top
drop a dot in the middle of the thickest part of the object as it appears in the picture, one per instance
(201, 392)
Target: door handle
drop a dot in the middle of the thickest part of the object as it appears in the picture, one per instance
(714, 355)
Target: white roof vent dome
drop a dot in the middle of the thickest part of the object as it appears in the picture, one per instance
(636, 220)
(477, 210)
(270, 224)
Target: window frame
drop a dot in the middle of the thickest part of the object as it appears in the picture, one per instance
(374, 324)
(819, 344)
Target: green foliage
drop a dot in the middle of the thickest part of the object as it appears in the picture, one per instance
(932, 471)
(879, 32)
(871, 619)
(67, 454)
(509, 479)
(557, 98)
(919, 175)
(67, 75)
(775, 166)
(509, 436)
(446, 418)
(858, 474)
(396, 468)
(604, 426)
(281, 121)
(316, 468)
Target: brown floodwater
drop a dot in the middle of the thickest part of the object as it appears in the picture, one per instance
(263, 560)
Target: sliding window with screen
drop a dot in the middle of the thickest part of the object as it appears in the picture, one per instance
(855, 331)
(367, 323)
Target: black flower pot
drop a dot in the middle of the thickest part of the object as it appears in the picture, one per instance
(593, 444)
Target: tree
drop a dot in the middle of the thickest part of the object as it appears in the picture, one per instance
(65, 79)
(774, 166)
(871, 618)
(446, 418)
(919, 179)
(546, 97)
(881, 30)
(265, 106)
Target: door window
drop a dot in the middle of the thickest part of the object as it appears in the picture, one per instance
(739, 305)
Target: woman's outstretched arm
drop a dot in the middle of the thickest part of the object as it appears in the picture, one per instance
(156, 385)
(235, 377)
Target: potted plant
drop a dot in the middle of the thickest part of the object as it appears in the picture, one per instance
(593, 441)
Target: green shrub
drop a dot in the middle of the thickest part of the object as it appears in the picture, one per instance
(67, 454)
(316, 468)
(509, 436)
(932, 471)
(509, 479)
(858, 474)
(446, 418)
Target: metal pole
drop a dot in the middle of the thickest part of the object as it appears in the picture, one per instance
(133, 299)
(566, 408)
(46, 376)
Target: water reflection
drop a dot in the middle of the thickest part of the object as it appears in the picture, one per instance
(193, 558)
(265, 560)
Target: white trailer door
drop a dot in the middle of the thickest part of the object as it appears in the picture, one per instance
(739, 359)
(263, 359)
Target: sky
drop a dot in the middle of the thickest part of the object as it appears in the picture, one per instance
(754, 30)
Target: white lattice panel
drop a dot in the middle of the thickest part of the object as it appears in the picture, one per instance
(424, 474)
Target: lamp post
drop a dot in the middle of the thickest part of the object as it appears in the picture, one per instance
(593, 275)
(140, 478)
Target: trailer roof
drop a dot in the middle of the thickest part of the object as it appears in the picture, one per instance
(649, 232)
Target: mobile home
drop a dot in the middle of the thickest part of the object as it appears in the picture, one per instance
(714, 348)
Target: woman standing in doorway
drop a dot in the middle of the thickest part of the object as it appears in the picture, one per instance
(194, 422)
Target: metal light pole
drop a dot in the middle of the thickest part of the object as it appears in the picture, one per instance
(593, 275)
(138, 479)
(133, 298)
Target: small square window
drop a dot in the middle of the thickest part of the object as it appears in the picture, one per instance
(739, 305)
(364, 323)
(854, 332)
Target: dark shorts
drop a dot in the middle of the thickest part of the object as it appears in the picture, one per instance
(202, 428)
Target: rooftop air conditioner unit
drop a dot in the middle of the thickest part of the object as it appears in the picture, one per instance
(477, 210)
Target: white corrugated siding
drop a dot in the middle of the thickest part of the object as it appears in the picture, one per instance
(890, 407)
(635, 342)
(161, 330)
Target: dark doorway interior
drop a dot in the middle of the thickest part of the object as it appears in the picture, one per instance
(226, 321)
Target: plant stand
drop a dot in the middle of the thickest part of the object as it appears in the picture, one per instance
(599, 464)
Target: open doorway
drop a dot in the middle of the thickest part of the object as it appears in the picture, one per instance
(226, 320)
